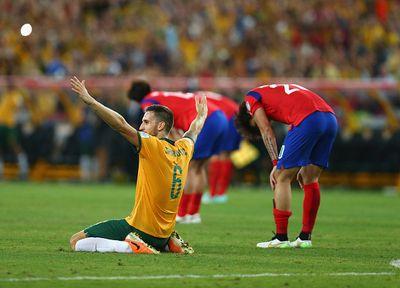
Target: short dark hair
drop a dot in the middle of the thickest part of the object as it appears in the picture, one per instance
(139, 89)
(242, 123)
(163, 114)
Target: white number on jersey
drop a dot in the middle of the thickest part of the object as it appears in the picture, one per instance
(287, 88)
(175, 94)
(212, 95)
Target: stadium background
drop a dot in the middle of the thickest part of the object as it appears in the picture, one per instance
(348, 51)
(349, 56)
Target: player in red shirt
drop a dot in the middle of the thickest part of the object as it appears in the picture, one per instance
(209, 141)
(221, 167)
(304, 153)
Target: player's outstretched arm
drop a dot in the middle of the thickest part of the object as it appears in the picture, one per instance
(112, 118)
(198, 122)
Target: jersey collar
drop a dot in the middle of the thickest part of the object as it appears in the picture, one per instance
(168, 140)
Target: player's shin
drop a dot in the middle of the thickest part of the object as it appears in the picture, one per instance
(213, 176)
(183, 205)
(225, 178)
(195, 203)
(310, 209)
(281, 219)
(281, 210)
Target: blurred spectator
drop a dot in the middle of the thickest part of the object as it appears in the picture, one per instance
(52, 128)
(310, 38)
(11, 102)
(249, 38)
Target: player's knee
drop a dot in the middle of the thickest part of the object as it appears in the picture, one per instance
(285, 176)
(224, 155)
(310, 174)
(309, 178)
(194, 164)
(284, 179)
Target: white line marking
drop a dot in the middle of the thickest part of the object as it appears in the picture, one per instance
(395, 263)
(193, 276)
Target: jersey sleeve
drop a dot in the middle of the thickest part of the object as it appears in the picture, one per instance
(253, 101)
(187, 144)
(148, 145)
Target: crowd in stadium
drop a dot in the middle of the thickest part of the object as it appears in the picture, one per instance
(298, 38)
(316, 39)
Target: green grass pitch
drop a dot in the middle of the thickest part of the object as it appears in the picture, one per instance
(357, 232)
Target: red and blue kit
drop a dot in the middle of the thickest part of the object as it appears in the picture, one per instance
(210, 140)
(313, 123)
(224, 103)
(230, 108)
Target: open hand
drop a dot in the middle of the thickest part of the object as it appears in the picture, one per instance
(80, 88)
(201, 104)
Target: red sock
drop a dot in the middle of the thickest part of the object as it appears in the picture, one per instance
(281, 220)
(225, 177)
(195, 201)
(183, 205)
(310, 206)
(213, 175)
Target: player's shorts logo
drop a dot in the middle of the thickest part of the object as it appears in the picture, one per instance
(281, 152)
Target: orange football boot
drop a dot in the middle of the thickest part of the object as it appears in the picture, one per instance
(138, 246)
(177, 245)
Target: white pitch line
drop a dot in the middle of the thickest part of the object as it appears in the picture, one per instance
(395, 263)
(193, 276)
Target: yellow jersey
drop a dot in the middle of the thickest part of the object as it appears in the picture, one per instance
(9, 105)
(163, 167)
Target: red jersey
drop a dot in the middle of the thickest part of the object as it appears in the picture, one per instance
(181, 104)
(285, 103)
(225, 104)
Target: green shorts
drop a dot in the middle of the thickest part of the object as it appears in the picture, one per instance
(119, 229)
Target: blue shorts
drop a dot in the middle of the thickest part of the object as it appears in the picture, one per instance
(211, 138)
(232, 137)
(310, 142)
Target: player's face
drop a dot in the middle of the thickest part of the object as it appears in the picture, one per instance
(149, 124)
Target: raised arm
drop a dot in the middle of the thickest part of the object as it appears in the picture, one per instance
(267, 134)
(198, 122)
(112, 118)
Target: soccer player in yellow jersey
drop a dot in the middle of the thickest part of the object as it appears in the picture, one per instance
(163, 166)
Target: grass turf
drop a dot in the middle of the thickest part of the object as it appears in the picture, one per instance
(356, 232)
